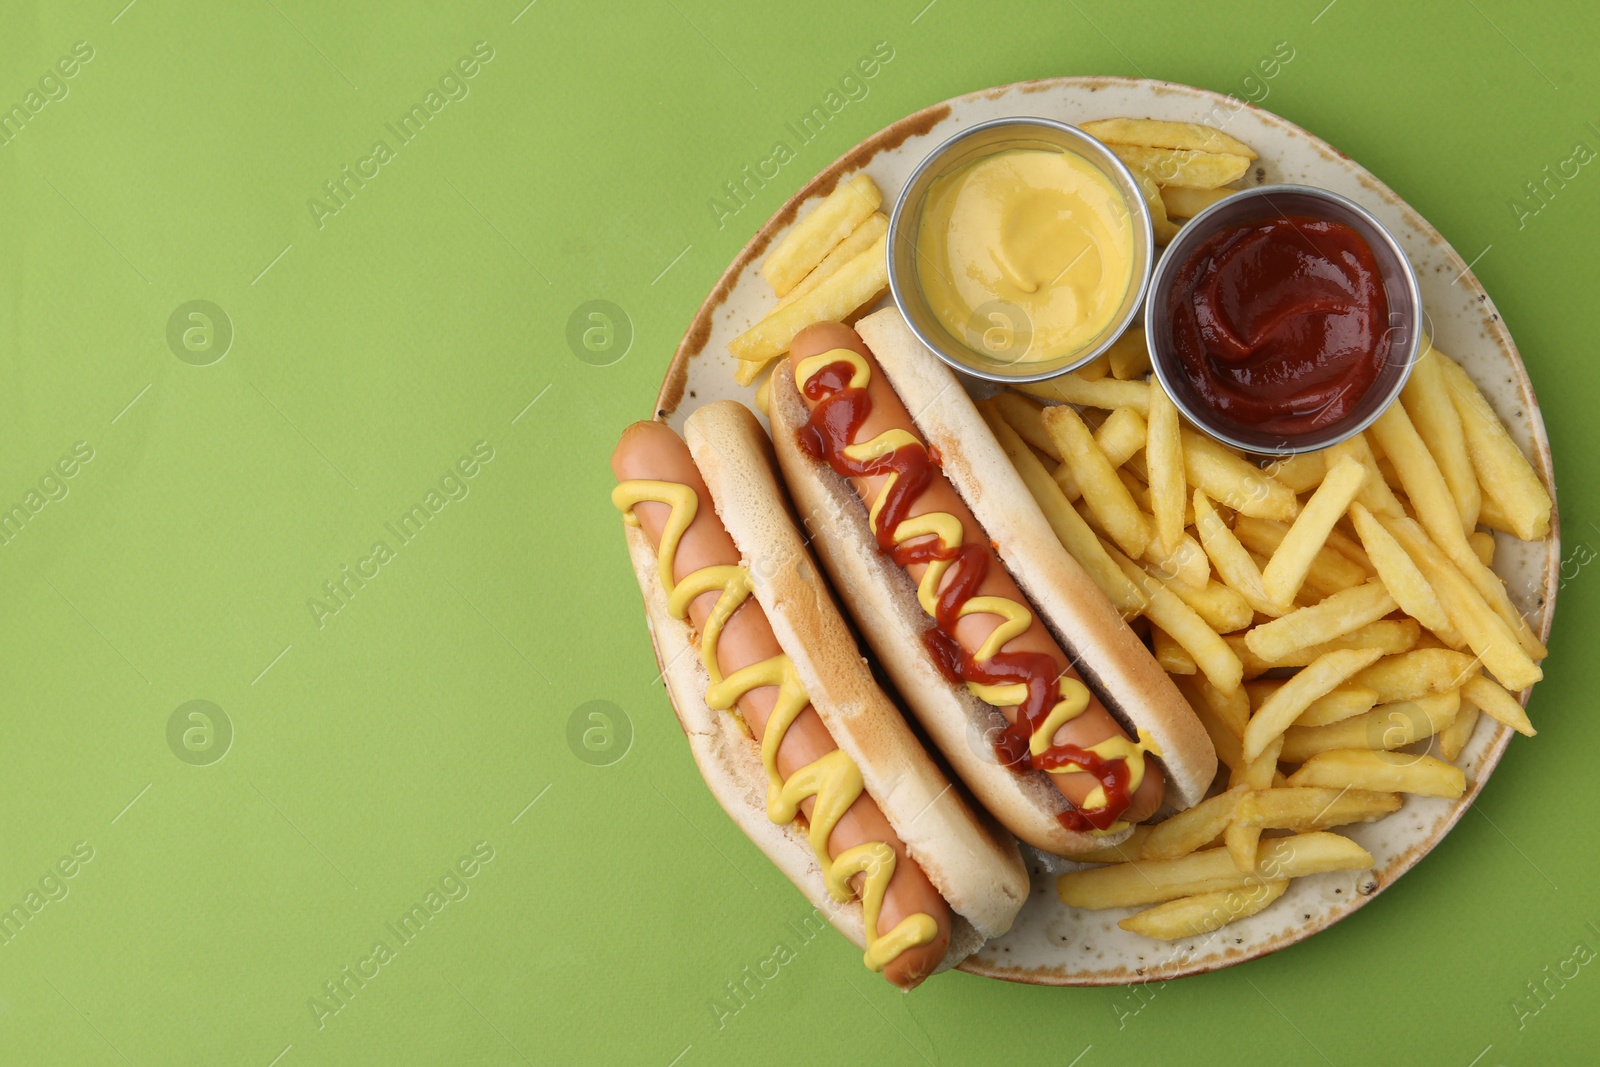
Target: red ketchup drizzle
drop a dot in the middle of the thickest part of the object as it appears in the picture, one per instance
(840, 412)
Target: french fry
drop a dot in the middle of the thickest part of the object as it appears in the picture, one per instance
(1287, 569)
(1427, 401)
(1258, 689)
(1349, 546)
(1224, 740)
(1160, 133)
(1027, 418)
(1375, 494)
(1136, 489)
(1382, 772)
(1492, 516)
(1163, 459)
(1203, 912)
(1103, 491)
(1498, 704)
(860, 239)
(1136, 477)
(1231, 707)
(851, 286)
(1107, 393)
(1062, 473)
(1331, 618)
(746, 371)
(763, 392)
(1132, 848)
(1302, 472)
(1256, 773)
(1306, 808)
(1191, 830)
(1417, 673)
(1185, 203)
(1080, 541)
(1153, 881)
(1234, 480)
(1163, 229)
(810, 240)
(1484, 631)
(1222, 609)
(1482, 543)
(1121, 435)
(1492, 588)
(1129, 355)
(1387, 726)
(1503, 471)
(1330, 572)
(1454, 738)
(1436, 512)
(1347, 701)
(1231, 558)
(1173, 657)
(1391, 476)
(1188, 565)
(1401, 576)
(1211, 653)
(1393, 636)
(1096, 368)
(1285, 705)
(1185, 167)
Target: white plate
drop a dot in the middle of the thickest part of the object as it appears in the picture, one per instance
(1052, 944)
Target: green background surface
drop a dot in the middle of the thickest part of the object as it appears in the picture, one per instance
(374, 747)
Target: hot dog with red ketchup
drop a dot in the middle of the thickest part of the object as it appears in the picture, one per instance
(836, 411)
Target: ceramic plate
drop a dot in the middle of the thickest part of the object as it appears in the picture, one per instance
(1052, 944)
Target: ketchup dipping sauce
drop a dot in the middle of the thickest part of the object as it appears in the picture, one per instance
(1287, 322)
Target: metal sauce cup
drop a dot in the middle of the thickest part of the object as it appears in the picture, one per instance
(998, 337)
(1257, 205)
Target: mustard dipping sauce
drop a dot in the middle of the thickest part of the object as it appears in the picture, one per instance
(1041, 229)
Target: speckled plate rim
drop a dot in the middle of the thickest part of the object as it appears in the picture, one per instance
(923, 123)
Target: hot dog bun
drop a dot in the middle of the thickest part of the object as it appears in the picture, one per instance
(973, 864)
(882, 596)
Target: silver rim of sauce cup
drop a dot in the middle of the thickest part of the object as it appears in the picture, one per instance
(1256, 205)
(987, 139)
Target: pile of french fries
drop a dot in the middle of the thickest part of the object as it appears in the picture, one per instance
(1329, 616)
(1181, 167)
(830, 264)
